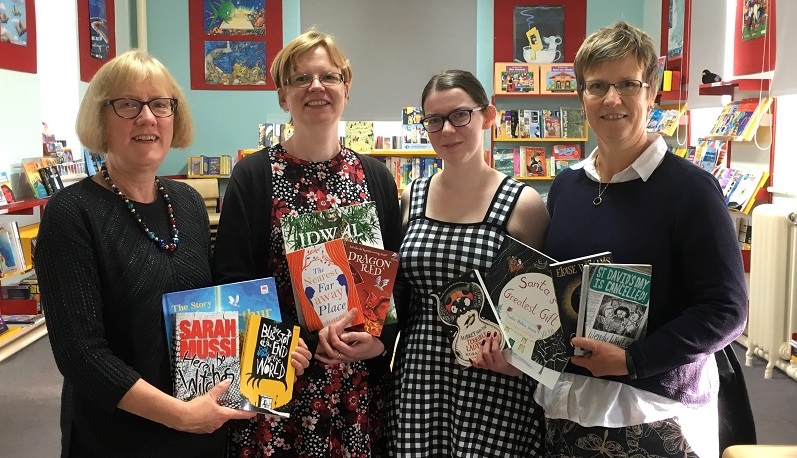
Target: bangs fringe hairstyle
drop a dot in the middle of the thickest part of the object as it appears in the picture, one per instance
(457, 79)
(285, 60)
(121, 74)
(613, 43)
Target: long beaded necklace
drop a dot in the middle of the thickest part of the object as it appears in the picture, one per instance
(159, 242)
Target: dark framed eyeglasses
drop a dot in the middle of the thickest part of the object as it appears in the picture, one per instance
(304, 80)
(161, 107)
(598, 88)
(456, 118)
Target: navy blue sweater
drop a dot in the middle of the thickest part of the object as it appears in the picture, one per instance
(678, 222)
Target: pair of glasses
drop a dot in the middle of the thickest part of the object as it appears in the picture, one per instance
(305, 80)
(161, 107)
(598, 88)
(456, 118)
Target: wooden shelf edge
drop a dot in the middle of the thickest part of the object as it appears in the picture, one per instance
(402, 153)
(546, 139)
(21, 339)
(522, 178)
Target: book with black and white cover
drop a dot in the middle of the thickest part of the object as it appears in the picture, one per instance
(567, 276)
(465, 309)
(522, 293)
(614, 304)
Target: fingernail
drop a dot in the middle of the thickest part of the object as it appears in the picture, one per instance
(485, 340)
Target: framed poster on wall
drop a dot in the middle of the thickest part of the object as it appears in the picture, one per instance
(96, 35)
(18, 35)
(554, 30)
(232, 45)
(539, 33)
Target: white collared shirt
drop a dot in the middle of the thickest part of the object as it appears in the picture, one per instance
(591, 401)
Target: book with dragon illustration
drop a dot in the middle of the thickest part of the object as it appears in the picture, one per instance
(374, 271)
(521, 289)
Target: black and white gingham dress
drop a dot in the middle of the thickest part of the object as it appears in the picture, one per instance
(437, 407)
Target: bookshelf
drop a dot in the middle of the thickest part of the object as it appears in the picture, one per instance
(20, 336)
(752, 152)
(531, 106)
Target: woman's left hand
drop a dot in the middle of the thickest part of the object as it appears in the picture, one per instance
(605, 359)
(493, 359)
(300, 358)
(336, 345)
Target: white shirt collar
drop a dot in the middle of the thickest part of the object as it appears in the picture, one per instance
(642, 167)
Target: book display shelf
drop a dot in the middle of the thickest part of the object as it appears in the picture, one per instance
(749, 134)
(407, 164)
(19, 336)
(540, 125)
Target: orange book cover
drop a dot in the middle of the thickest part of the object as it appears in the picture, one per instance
(374, 271)
(323, 284)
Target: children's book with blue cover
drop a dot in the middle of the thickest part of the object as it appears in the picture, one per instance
(251, 297)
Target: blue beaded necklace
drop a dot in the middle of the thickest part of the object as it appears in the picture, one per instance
(159, 242)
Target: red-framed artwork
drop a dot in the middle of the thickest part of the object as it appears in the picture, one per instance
(96, 35)
(18, 35)
(232, 46)
(506, 47)
(757, 53)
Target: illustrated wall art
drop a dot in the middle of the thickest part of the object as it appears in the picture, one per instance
(96, 35)
(234, 43)
(536, 32)
(754, 19)
(18, 35)
(539, 33)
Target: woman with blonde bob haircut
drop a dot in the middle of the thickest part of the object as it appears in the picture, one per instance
(108, 248)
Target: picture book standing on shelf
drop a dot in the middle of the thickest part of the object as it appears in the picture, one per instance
(614, 303)
(465, 308)
(521, 289)
(567, 277)
(267, 374)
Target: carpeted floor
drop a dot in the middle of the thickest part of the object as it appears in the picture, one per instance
(30, 390)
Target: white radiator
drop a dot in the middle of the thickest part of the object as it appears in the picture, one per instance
(773, 287)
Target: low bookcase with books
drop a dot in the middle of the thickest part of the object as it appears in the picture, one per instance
(408, 164)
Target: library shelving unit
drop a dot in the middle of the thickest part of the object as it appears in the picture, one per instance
(20, 336)
(533, 100)
(758, 154)
(402, 153)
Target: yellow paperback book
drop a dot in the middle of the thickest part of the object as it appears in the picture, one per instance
(266, 372)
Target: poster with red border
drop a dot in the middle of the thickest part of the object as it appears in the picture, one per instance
(575, 26)
(232, 45)
(96, 32)
(755, 55)
(18, 31)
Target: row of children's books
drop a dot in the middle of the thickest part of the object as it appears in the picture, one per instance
(535, 161)
(535, 78)
(212, 166)
(407, 169)
(536, 304)
(665, 120)
(740, 186)
(236, 331)
(740, 119)
(567, 122)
